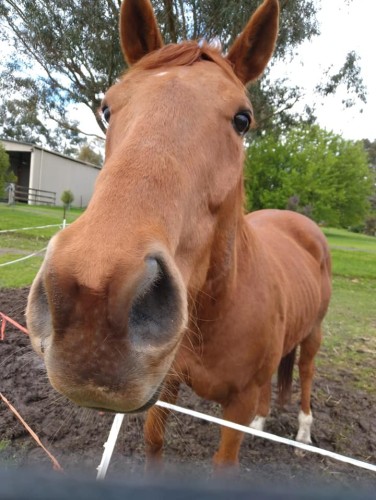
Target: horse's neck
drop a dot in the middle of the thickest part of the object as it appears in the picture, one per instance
(233, 252)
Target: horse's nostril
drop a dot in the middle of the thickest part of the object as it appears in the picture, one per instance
(155, 309)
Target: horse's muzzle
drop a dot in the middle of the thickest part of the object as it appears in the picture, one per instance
(110, 347)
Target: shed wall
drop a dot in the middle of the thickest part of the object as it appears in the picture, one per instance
(51, 172)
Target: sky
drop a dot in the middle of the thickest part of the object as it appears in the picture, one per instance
(343, 28)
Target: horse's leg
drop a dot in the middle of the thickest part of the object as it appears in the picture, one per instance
(155, 425)
(241, 410)
(308, 350)
(263, 408)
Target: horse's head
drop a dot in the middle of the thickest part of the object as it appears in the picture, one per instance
(109, 306)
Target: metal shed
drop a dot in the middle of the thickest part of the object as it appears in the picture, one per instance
(43, 175)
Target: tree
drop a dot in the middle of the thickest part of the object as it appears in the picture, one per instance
(74, 47)
(312, 171)
(370, 148)
(22, 121)
(88, 155)
(67, 198)
(370, 223)
(5, 174)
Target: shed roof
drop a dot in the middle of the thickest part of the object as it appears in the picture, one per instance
(28, 147)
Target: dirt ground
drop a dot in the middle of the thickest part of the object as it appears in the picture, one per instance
(345, 422)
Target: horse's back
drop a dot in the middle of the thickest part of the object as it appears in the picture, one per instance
(275, 225)
(298, 257)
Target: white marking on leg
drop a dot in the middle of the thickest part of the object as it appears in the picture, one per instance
(258, 423)
(304, 432)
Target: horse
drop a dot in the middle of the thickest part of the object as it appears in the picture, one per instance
(163, 279)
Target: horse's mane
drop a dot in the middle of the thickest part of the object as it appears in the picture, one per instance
(185, 54)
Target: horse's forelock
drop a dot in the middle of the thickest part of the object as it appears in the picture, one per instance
(185, 54)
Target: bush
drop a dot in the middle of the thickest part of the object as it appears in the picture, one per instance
(67, 198)
(311, 171)
(6, 175)
(370, 225)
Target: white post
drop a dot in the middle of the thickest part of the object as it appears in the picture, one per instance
(110, 445)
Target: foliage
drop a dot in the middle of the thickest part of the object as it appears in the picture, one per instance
(88, 155)
(21, 120)
(350, 74)
(370, 225)
(67, 198)
(5, 174)
(312, 171)
(73, 48)
(195, 19)
(370, 148)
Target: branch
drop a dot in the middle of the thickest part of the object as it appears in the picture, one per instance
(115, 7)
(279, 111)
(72, 128)
(171, 20)
(55, 463)
(184, 22)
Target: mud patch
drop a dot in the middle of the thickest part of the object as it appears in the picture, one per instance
(345, 422)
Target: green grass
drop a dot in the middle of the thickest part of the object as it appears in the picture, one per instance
(4, 443)
(30, 240)
(354, 264)
(19, 274)
(350, 326)
(17, 244)
(353, 255)
(340, 238)
(22, 215)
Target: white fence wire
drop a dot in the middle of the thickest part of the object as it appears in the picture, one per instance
(116, 425)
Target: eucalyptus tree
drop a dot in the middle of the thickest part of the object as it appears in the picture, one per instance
(67, 52)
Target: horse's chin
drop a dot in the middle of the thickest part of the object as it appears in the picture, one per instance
(141, 409)
(127, 398)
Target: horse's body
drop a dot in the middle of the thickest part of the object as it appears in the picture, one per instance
(163, 280)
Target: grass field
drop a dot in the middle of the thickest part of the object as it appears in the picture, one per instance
(17, 244)
(350, 326)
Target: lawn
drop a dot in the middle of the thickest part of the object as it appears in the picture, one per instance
(17, 244)
(350, 326)
(22, 215)
(340, 238)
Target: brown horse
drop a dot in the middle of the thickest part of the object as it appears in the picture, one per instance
(163, 279)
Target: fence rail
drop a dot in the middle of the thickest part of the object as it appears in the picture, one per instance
(37, 196)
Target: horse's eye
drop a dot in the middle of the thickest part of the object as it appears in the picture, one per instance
(242, 121)
(106, 113)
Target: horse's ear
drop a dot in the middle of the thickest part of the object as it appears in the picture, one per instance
(139, 32)
(253, 48)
